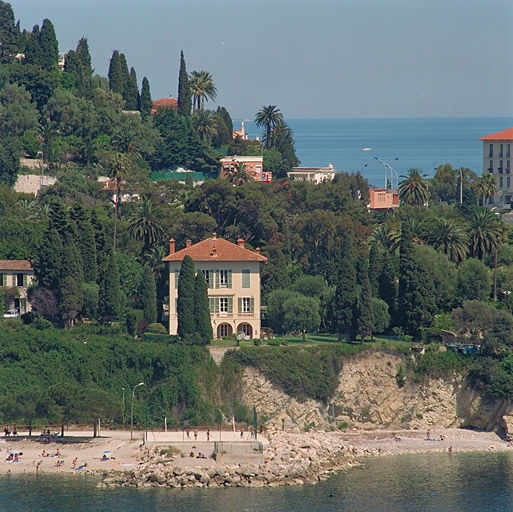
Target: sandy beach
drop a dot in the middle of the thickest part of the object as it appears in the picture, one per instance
(114, 451)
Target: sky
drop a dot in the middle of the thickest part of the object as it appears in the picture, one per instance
(311, 58)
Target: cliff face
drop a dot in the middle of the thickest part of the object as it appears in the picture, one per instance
(369, 396)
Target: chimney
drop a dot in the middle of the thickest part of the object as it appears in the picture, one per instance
(172, 246)
(214, 236)
(240, 242)
(257, 250)
(188, 243)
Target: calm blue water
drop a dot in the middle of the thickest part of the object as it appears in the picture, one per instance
(410, 483)
(423, 143)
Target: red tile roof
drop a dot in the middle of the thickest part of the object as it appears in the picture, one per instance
(22, 265)
(165, 102)
(502, 135)
(216, 249)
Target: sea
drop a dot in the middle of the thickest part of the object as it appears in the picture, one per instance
(458, 482)
(360, 144)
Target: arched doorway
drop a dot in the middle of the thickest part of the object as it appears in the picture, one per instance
(245, 329)
(224, 330)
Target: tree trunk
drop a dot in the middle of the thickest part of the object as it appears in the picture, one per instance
(62, 429)
(95, 432)
(30, 428)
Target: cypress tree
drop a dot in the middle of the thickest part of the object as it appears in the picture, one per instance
(86, 242)
(33, 52)
(102, 246)
(202, 310)
(125, 75)
(48, 261)
(365, 315)
(109, 297)
(145, 102)
(344, 303)
(73, 66)
(70, 282)
(375, 267)
(115, 74)
(387, 285)
(416, 299)
(85, 56)
(9, 33)
(184, 90)
(131, 92)
(49, 46)
(185, 305)
(149, 295)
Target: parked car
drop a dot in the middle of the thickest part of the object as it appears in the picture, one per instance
(12, 313)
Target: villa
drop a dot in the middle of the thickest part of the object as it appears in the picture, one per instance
(232, 273)
(16, 276)
(254, 167)
(497, 161)
(383, 199)
(313, 175)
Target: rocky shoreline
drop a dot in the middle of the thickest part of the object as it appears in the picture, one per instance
(289, 459)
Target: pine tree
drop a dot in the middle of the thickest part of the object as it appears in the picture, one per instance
(185, 305)
(145, 102)
(109, 298)
(184, 90)
(115, 74)
(33, 51)
(149, 296)
(131, 92)
(202, 310)
(49, 46)
(9, 34)
(416, 299)
(365, 315)
(344, 303)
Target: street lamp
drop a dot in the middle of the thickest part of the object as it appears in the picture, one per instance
(123, 420)
(132, 410)
(392, 172)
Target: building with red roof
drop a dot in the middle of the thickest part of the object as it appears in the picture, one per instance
(497, 161)
(164, 103)
(232, 274)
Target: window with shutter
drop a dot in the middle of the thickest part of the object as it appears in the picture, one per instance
(246, 279)
(177, 276)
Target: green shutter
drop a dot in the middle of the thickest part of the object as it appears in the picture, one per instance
(177, 275)
(240, 305)
(229, 278)
(252, 305)
(25, 280)
(217, 278)
(212, 304)
(230, 305)
(3, 280)
(211, 278)
(246, 283)
(216, 306)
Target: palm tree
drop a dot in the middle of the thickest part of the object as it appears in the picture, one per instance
(449, 237)
(269, 117)
(240, 175)
(202, 87)
(118, 166)
(485, 233)
(144, 223)
(205, 124)
(48, 131)
(486, 187)
(413, 189)
(27, 208)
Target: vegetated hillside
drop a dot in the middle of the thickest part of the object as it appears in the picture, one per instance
(77, 375)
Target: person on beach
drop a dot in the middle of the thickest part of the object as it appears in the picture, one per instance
(242, 433)
(428, 435)
(195, 434)
(38, 465)
(74, 463)
(188, 432)
(208, 434)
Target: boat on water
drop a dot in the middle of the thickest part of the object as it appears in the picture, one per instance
(366, 149)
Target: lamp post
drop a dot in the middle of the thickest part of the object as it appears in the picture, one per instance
(392, 172)
(123, 418)
(132, 410)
